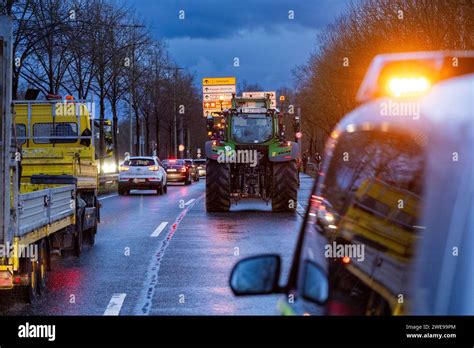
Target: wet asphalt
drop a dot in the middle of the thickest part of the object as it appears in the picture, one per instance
(164, 255)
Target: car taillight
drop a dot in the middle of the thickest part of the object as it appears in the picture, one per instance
(183, 169)
(124, 168)
(153, 168)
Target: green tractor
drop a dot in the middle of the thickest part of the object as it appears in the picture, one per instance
(249, 157)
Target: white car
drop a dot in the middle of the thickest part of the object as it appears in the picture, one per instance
(142, 173)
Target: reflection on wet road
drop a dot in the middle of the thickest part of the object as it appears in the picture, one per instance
(164, 255)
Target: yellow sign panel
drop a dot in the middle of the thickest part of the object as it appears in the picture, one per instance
(209, 81)
(226, 104)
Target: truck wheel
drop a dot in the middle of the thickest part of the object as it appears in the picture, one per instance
(29, 292)
(165, 189)
(89, 236)
(78, 239)
(285, 186)
(217, 187)
(42, 266)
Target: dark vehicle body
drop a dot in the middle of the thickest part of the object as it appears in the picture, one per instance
(177, 171)
(192, 169)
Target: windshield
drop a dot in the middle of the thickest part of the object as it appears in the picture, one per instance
(139, 162)
(174, 162)
(251, 128)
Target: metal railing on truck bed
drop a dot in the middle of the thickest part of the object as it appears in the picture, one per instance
(43, 207)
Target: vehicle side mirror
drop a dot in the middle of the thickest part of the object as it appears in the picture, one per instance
(256, 275)
(315, 285)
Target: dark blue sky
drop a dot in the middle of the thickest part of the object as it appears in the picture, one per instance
(268, 44)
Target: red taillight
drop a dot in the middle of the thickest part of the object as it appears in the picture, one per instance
(154, 168)
(183, 169)
(124, 168)
(17, 280)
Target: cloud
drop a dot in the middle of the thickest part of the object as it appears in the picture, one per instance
(224, 18)
(260, 33)
(266, 58)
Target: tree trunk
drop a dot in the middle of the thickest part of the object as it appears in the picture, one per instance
(113, 105)
(101, 129)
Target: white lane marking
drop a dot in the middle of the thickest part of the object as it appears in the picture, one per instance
(420, 227)
(107, 197)
(145, 302)
(189, 202)
(159, 229)
(115, 304)
(300, 210)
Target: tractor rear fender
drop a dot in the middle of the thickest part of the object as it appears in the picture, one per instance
(212, 152)
(278, 153)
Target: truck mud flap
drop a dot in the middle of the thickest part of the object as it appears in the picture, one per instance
(89, 218)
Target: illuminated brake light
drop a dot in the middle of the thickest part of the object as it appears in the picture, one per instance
(124, 168)
(154, 168)
(408, 86)
(183, 169)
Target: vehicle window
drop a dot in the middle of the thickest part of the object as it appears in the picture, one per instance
(251, 128)
(368, 203)
(178, 162)
(199, 162)
(43, 133)
(20, 133)
(140, 162)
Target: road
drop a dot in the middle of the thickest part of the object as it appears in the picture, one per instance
(164, 255)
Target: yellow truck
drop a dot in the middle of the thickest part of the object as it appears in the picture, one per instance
(58, 148)
(48, 180)
(375, 219)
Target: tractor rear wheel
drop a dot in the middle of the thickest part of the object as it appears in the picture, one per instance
(285, 186)
(217, 187)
